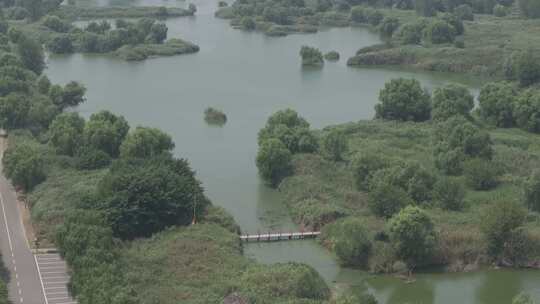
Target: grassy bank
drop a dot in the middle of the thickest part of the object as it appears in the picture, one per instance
(81, 12)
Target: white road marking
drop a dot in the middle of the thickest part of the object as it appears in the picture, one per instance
(54, 277)
(11, 247)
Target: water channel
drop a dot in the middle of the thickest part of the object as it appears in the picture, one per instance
(249, 76)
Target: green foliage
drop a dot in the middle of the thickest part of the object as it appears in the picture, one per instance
(31, 54)
(531, 190)
(334, 145)
(311, 56)
(142, 197)
(451, 100)
(14, 109)
(146, 143)
(439, 31)
(530, 8)
(464, 12)
(332, 56)
(403, 99)
(24, 165)
(425, 8)
(526, 111)
(106, 132)
(65, 133)
(500, 10)
(351, 241)
(522, 298)
(291, 129)
(496, 102)
(268, 283)
(215, 116)
(499, 224)
(411, 33)
(413, 236)
(455, 22)
(449, 193)
(527, 68)
(91, 159)
(248, 23)
(273, 161)
(56, 24)
(388, 26)
(60, 45)
(385, 200)
(364, 165)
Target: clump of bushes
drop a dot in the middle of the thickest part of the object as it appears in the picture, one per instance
(350, 240)
(311, 56)
(464, 12)
(334, 145)
(274, 161)
(24, 165)
(366, 15)
(405, 100)
(481, 174)
(500, 10)
(215, 116)
(332, 56)
(496, 103)
(388, 26)
(451, 100)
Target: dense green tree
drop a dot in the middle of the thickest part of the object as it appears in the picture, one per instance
(413, 236)
(98, 27)
(481, 174)
(334, 145)
(248, 23)
(41, 113)
(14, 34)
(145, 143)
(438, 32)
(90, 159)
(531, 191)
(449, 193)
(142, 197)
(455, 22)
(274, 161)
(14, 110)
(411, 33)
(496, 103)
(403, 99)
(24, 165)
(158, 33)
(291, 129)
(527, 67)
(527, 111)
(464, 12)
(60, 45)
(352, 242)
(56, 24)
(106, 132)
(65, 133)
(358, 14)
(72, 95)
(499, 223)
(373, 16)
(311, 56)
(425, 8)
(364, 165)
(451, 100)
(385, 200)
(44, 84)
(31, 54)
(388, 26)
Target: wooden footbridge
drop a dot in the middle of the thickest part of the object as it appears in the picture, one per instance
(280, 236)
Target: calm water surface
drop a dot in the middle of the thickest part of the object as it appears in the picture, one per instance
(250, 76)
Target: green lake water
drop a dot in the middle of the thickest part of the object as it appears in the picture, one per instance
(249, 76)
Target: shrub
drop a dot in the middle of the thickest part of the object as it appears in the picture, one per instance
(403, 99)
(56, 24)
(215, 116)
(311, 56)
(527, 67)
(527, 111)
(60, 45)
(90, 159)
(24, 165)
(438, 32)
(531, 190)
(358, 14)
(291, 129)
(388, 26)
(500, 10)
(274, 161)
(449, 193)
(481, 174)
(425, 8)
(385, 200)
(464, 12)
(496, 103)
(65, 133)
(105, 131)
(455, 22)
(498, 224)
(332, 56)
(374, 17)
(146, 143)
(334, 145)
(413, 236)
(451, 100)
(351, 241)
(522, 298)
(364, 165)
(248, 23)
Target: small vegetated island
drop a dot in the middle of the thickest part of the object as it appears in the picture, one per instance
(129, 39)
(214, 116)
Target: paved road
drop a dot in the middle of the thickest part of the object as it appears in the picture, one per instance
(24, 285)
(54, 275)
